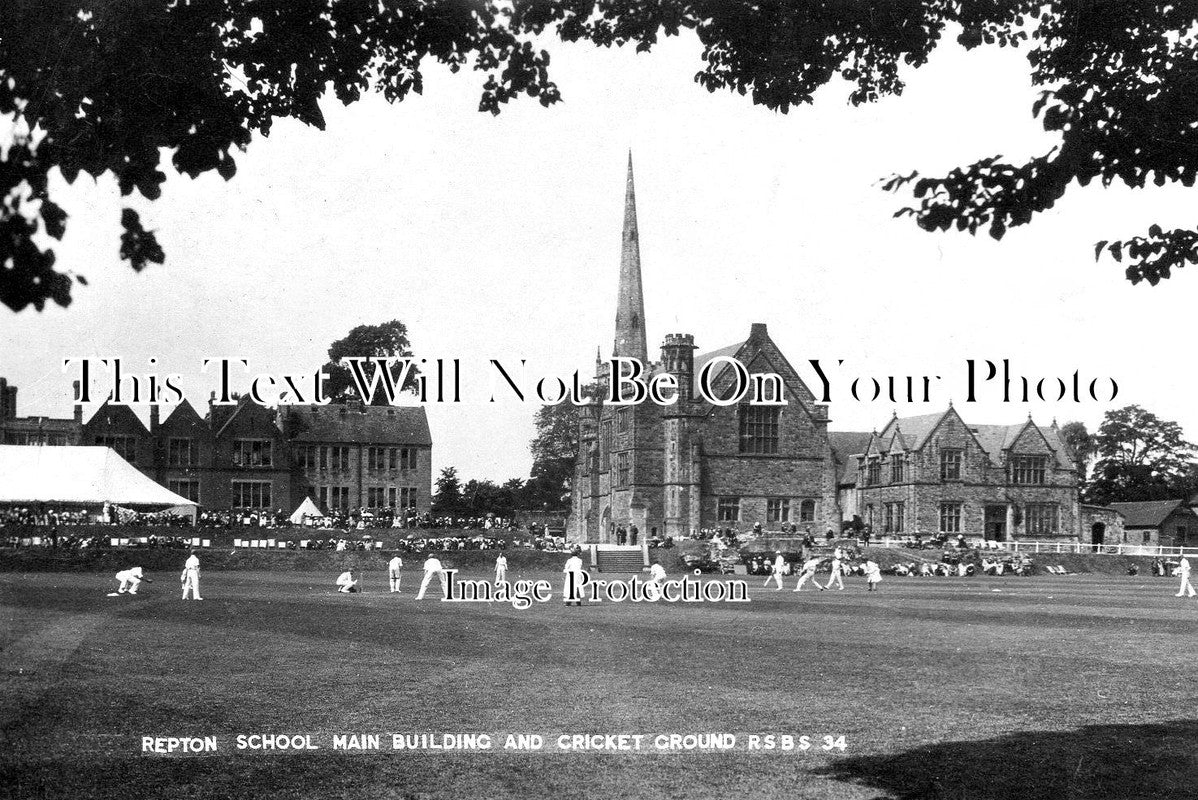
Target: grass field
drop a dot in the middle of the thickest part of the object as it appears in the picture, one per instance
(1085, 686)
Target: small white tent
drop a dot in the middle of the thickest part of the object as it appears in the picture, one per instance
(306, 509)
(85, 476)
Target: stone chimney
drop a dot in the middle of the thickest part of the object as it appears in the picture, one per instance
(8, 400)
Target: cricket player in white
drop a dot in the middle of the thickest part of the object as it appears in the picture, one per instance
(1183, 571)
(432, 566)
(346, 582)
(837, 568)
(807, 572)
(500, 569)
(190, 577)
(130, 579)
(572, 573)
(393, 567)
(873, 575)
(776, 575)
(657, 577)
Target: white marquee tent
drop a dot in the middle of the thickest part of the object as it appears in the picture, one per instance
(306, 509)
(86, 476)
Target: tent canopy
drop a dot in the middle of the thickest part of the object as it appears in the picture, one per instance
(306, 509)
(78, 476)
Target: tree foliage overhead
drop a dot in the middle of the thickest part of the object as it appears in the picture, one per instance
(97, 87)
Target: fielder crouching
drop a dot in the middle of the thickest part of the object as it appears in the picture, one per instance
(130, 579)
(346, 583)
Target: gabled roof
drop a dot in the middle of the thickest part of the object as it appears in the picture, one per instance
(184, 413)
(183, 418)
(993, 439)
(844, 445)
(1148, 514)
(996, 438)
(848, 443)
(1065, 454)
(897, 443)
(111, 414)
(915, 430)
(701, 359)
(759, 346)
(358, 424)
(243, 402)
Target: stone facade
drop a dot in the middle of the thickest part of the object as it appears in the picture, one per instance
(356, 456)
(1103, 525)
(937, 474)
(32, 430)
(1169, 523)
(671, 470)
(246, 456)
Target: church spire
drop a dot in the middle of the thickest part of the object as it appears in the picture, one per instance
(630, 305)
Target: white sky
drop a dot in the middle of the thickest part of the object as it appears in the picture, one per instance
(500, 237)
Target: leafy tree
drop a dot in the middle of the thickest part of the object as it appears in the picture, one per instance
(512, 494)
(1081, 442)
(96, 87)
(482, 497)
(1140, 457)
(475, 495)
(1118, 92)
(1186, 487)
(389, 339)
(554, 449)
(448, 497)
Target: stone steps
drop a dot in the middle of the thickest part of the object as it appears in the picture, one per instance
(620, 561)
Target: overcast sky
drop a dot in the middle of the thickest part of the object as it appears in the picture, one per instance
(500, 238)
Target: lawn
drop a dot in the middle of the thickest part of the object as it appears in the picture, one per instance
(1074, 687)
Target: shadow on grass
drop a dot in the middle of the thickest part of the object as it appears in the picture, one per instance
(1097, 761)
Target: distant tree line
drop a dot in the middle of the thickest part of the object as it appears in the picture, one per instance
(547, 487)
(477, 498)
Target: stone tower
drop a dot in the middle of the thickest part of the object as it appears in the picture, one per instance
(681, 449)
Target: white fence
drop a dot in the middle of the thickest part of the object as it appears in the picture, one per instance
(1058, 547)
